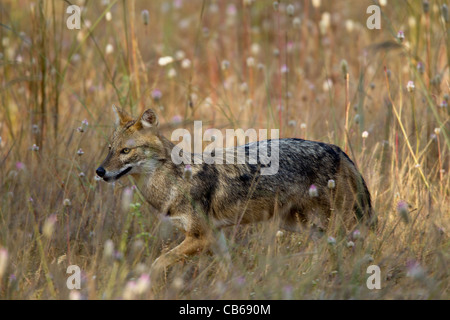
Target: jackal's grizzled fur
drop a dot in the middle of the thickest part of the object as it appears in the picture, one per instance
(225, 195)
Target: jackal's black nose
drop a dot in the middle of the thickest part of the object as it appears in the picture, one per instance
(100, 172)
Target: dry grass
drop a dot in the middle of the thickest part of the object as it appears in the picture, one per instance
(53, 78)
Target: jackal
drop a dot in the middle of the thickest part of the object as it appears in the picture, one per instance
(216, 196)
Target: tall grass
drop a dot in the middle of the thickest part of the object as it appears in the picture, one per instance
(54, 213)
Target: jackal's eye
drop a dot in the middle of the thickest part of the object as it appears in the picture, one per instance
(125, 151)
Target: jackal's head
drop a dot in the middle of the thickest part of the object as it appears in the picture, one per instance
(135, 146)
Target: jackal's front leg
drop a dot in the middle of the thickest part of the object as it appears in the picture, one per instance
(190, 246)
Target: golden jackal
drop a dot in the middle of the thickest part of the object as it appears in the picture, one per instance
(313, 181)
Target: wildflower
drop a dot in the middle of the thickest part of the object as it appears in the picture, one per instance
(80, 152)
(127, 196)
(178, 283)
(410, 86)
(108, 16)
(327, 85)
(344, 67)
(403, 210)
(108, 249)
(231, 10)
(279, 234)
(186, 63)
(188, 172)
(400, 36)
(420, 68)
(49, 226)
(444, 104)
(156, 95)
(356, 235)
(349, 25)
(177, 119)
(365, 135)
(316, 3)
(290, 9)
(292, 123)
(287, 293)
(331, 184)
(250, 62)
(177, 4)
(324, 23)
(81, 175)
(34, 148)
(414, 270)
(255, 48)
(20, 165)
(296, 22)
(142, 284)
(145, 17)
(350, 244)
(172, 73)
(97, 178)
(437, 131)
(109, 48)
(67, 203)
(275, 5)
(331, 241)
(243, 87)
(35, 129)
(276, 52)
(84, 125)
(313, 191)
(129, 292)
(284, 69)
(225, 65)
(303, 126)
(164, 61)
(180, 55)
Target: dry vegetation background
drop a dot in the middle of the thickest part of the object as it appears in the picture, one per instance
(236, 64)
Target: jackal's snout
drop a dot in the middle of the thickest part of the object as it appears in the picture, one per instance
(100, 172)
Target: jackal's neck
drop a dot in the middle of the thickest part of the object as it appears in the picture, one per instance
(161, 186)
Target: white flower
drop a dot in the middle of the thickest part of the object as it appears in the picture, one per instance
(410, 86)
(164, 61)
(365, 135)
(186, 63)
(313, 191)
(172, 73)
(331, 184)
(109, 48)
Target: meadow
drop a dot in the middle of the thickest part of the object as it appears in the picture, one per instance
(312, 69)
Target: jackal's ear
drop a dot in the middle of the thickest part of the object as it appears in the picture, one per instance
(121, 116)
(149, 119)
